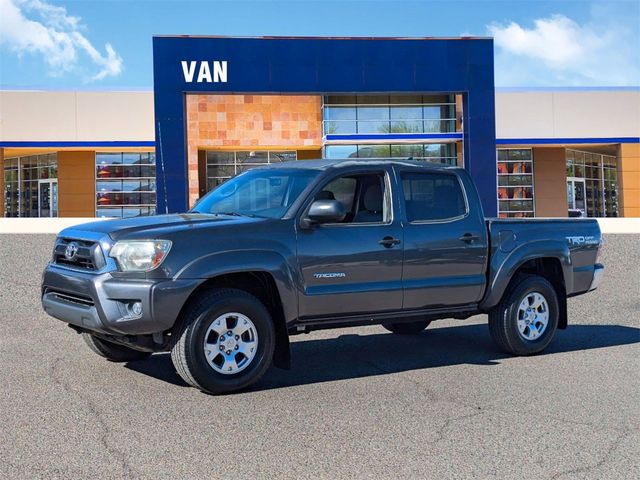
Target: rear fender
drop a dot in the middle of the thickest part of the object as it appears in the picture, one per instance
(504, 266)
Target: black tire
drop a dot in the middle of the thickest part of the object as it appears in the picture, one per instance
(407, 328)
(503, 319)
(188, 353)
(112, 351)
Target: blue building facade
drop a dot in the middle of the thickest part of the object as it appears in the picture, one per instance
(382, 76)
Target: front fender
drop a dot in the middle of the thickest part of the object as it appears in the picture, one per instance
(504, 266)
(238, 261)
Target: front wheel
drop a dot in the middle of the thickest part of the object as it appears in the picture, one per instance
(227, 343)
(526, 319)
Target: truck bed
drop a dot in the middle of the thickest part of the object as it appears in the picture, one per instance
(568, 244)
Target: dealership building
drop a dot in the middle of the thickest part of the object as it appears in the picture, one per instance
(221, 106)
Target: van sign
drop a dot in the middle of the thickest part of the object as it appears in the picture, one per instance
(207, 72)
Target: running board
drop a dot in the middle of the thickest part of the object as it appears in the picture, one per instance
(306, 325)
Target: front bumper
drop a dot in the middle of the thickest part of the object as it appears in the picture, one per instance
(98, 302)
(598, 273)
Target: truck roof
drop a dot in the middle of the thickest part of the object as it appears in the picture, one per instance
(326, 163)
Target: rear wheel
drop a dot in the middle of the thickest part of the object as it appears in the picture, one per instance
(113, 351)
(227, 343)
(526, 319)
(407, 328)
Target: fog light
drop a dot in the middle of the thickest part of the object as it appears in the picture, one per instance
(135, 309)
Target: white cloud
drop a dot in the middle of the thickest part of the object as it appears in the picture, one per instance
(559, 51)
(37, 27)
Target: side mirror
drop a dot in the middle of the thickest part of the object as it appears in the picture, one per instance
(326, 211)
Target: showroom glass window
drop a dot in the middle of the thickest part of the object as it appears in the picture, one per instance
(599, 175)
(125, 184)
(380, 114)
(26, 180)
(444, 153)
(222, 165)
(515, 182)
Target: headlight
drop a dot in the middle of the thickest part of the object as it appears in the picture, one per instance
(140, 255)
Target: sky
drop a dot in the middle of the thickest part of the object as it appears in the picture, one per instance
(106, 44)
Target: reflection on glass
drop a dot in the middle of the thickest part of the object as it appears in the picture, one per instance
(515, 183)
(598, 173)
(444, 153)
(222, 165)
(374, 151)
(124, 179)
(341, 151)
(380, 114)
(22, 176)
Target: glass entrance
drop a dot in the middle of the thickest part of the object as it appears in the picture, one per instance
(601, 181)
(576, 188)
(48, 198)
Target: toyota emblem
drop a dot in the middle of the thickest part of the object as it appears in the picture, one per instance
(71, 251)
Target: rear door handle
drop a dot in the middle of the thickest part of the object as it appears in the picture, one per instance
(469, 238)
(389, 242)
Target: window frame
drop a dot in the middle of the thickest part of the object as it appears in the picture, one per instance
(403, 201)
(388, 202)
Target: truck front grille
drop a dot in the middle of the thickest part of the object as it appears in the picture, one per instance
(80, 254)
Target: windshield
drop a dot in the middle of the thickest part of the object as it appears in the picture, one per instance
(257, 193)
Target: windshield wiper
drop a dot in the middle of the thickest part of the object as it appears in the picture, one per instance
(234, 214)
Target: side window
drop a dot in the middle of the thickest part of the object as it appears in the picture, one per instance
(363, 197)
(432, 196)
(342, 189)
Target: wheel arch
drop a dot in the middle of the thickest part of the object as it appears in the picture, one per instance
(552, 269)
(263, 285)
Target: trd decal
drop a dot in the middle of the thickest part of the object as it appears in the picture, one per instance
(582, 240)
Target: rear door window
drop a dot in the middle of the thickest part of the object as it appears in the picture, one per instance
(432, 196)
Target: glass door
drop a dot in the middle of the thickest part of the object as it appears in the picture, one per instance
(576, 199)
(48, 198)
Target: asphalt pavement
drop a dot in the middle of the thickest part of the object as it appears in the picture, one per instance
(358, 403)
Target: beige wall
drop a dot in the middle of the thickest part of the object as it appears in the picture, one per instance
(76, 184)
(568, 114)
(76, 116)
(550, 182)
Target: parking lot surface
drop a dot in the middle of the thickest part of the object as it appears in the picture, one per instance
(358, 403)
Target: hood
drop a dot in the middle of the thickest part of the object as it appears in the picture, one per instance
(154, 225)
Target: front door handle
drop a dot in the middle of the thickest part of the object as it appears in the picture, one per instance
(469, 238)
(389, 242)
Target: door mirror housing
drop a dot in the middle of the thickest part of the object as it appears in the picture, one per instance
(326, 211)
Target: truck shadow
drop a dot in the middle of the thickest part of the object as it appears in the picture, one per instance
(356, 356)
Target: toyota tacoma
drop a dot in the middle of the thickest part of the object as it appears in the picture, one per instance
(300, 246)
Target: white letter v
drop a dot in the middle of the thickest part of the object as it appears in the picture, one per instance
(188, 72)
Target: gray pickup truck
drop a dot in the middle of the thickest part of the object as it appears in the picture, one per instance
(301, 246)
